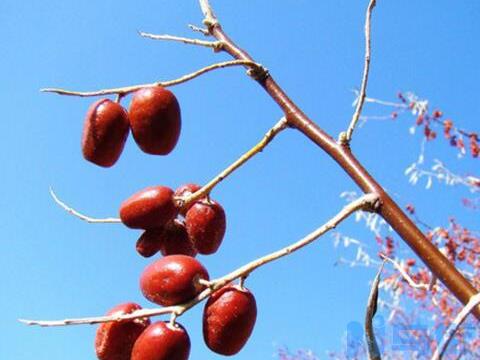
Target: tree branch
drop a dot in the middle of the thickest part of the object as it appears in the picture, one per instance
(346, 138)
(129, 89)
(454, 326)
(81, 216)
(205, 190)
(372, 347)
(407, 277)
(215, 45)
(210, 19)
(440, 266)
(366, 202)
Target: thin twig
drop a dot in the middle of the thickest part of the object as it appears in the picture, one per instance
(81, 216)
(199, 29)
(385, 103)
(454, 326)
(372, 346)
(365, 202)
(215, 45)
(205, 190)
(407, 277)
(129, 89)
(366, 70)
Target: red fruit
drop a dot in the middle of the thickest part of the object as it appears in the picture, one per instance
(186, 190)
(104, 132)
(149, 208)
(171, 239)
(150, 242)
(114, 340)
(228, 319)
(173, 280)
(155, 120)
(206, 224)
(175, 240)
(162, 341)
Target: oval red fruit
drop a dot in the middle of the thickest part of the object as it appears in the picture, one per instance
(155, 120)
(186, 190)
(149, 208)
(105, 131)
(150, 242)
(173, 280)
(175, 240)
(206, 224)
(114, 340)
(162, 341)
(228, 319)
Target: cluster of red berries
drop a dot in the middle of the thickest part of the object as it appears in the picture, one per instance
(179, 233)
(196, 228)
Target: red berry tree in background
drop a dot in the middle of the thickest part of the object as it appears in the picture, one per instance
(182, 223)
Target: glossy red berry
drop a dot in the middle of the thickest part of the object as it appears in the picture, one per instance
(175, 240)
(186, 190)
(173, 280)
(162, 341)
(155, 120)
(149, 208)
(150, 242)
(105, 131)
(114, 340)
(228, 319)
(206, 224)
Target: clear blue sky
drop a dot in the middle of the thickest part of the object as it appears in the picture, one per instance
(54, 265)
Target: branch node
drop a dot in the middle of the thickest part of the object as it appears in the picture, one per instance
(372, 203)
(258, 73)
(343, 139)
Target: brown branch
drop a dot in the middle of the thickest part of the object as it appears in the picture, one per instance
(215, 45)
(372, 347)
(366, 202)
(454, 326)
(347, 137)
(81, 216)
(205, 190)
(440, 266)
(129, 89)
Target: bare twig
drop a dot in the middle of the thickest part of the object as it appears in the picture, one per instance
(129, 89)
(346, 138)
(407, 277)
(81, 216)
(365, 202)
(199, 29)
(385, 103)
(454, 326)
(372, 347)
(205, 190)
(215, 45)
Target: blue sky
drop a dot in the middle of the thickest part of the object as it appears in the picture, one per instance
(54, 265)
